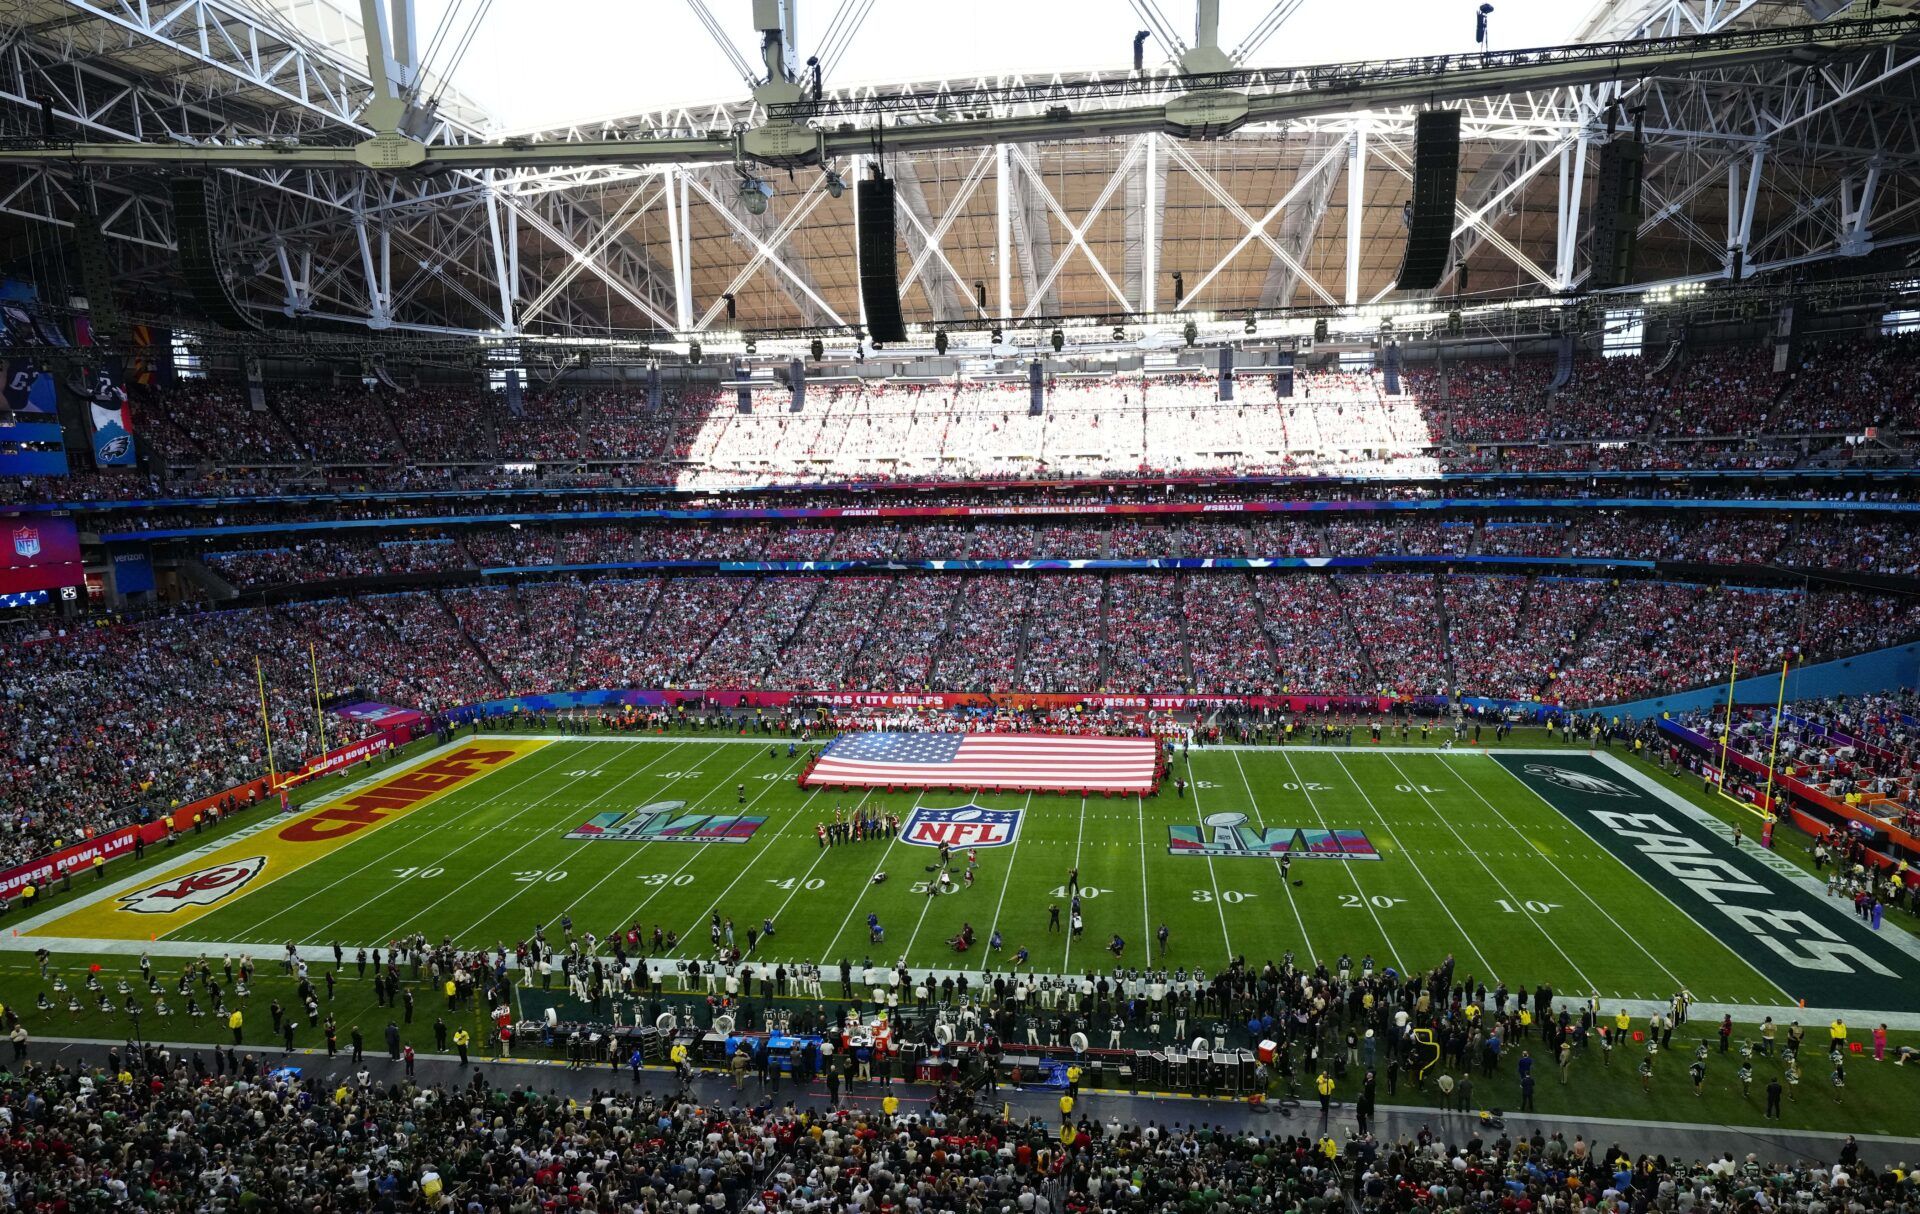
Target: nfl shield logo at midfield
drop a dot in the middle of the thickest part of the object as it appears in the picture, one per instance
(202, 888)
(26, 541)
(961, 826)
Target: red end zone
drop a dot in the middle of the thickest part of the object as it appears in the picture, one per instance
(996, 762)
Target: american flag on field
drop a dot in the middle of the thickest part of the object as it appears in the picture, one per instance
(1025, 761)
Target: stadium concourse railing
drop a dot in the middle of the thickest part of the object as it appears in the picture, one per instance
(63, 863)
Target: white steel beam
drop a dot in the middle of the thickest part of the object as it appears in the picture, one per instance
(1356, 201)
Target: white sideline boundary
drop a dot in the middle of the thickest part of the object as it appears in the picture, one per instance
(1700, 1013)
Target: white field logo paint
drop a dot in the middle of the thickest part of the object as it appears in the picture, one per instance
(1578, 781)
(202, 888)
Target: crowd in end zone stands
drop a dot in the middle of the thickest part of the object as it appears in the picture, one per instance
(153, 712)
(1705, 407)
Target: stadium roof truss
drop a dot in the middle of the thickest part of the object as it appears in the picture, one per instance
(1019, 197)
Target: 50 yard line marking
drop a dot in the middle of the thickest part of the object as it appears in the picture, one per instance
(1146, 919)
(1012, 854)
(1079, 836)
(854, 906)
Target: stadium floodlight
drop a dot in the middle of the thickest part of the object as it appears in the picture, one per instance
(753, 347)
(940, 341)
(754, 193)
(1249, 325)
(819, 349)
(1119, 334)
(999, 335)
(693, 352)
(836, 184)
(1191, 333)
(1059, 341)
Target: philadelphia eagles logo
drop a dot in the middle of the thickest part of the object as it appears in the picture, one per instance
(1578, 781)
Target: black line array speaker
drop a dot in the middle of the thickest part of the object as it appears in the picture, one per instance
(1283, 374)
(193, 236)
(879, 265)
(742, 393)
(797, 380)
(96, 277)
(1390, 368)
(1226, 373)
(653, 389)
(1036, 392)
(1616, 213)
(1436, 171)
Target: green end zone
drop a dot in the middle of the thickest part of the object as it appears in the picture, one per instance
(1812, 947)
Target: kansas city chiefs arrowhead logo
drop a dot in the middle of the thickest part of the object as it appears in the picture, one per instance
(202, 888)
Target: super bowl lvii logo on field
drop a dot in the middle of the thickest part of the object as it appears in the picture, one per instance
(1228, 834)
(961, 826)
(663, 822)
(202, 888)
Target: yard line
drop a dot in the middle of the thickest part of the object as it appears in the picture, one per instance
(403, 841)
(795, 816)
(1146, 919)
(1519, 904)
(801, 883)
(1579, 888)
(854, 906)
(1415, 865)
(1349, 865)
(694, 849)
(539, 837)
(1012, 854)
(1079, 835)
(1226, 937)
(1285, 888)
(926, 904)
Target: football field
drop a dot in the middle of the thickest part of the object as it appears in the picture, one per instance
(1524, 867)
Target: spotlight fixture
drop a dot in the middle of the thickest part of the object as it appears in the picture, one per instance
(1191, 333)
(999, 335)
(819, 349)
(836, 184)
(1249, 326)
(754, 194)
(753, 347)
(1119, 334)
(1059, 341)
(940, 341)
(693, 352)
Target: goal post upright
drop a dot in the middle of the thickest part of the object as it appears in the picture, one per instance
(1726, 730)
(1773, 749)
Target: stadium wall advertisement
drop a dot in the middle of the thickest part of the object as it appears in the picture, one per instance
(732, 698)
(78, 857)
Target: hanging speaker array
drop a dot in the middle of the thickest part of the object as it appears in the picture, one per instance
(1436, 171)
(194, 236)
(879, 265)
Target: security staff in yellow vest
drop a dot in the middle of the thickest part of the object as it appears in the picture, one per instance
(460, 1041)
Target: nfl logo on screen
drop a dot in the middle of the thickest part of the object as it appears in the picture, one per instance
(963, 826)
(26, 541)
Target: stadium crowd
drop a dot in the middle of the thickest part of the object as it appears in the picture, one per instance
(1703, 408)
(1857, 543)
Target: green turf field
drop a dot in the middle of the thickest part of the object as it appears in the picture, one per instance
(1472, 856)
